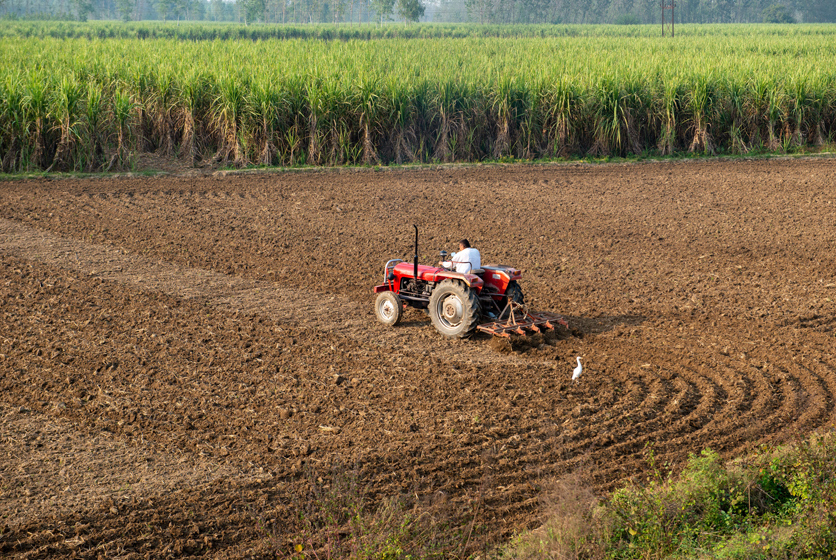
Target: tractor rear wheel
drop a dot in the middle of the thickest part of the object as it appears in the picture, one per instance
(388, 308)
(454, 309)
(514, 293)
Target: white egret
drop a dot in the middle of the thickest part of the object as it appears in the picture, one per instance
(578, 370)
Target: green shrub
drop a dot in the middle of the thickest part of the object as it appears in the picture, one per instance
(779, 503)
(628, 19)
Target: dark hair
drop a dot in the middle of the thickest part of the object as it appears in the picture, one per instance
(465, 243)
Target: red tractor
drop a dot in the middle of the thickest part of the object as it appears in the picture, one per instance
(458, 304)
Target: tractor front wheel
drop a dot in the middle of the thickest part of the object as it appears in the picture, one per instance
(454, 309)
(388, 308)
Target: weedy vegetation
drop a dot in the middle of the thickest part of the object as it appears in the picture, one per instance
(338, 517)
(779, 503)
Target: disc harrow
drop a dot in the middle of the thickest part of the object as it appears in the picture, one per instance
(518, 320)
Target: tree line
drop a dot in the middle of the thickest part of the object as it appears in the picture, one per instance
(650, 11)
(459, 11)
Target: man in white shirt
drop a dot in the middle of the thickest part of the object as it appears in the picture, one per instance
(466, 260)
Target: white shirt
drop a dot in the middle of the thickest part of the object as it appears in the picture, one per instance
(466, 260)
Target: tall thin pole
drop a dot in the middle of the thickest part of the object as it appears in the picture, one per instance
(667, 5)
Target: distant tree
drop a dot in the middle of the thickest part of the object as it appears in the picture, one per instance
(410, 10)
(217, 10)
(383, 9)
(820, 11)
(179, 9)
(253, 10)
(83, 8)
(124, 8)
(163, 8)
(197, 10)
(777, 13)
(480, 9)
(338, 10)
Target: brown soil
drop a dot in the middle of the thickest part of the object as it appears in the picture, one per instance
(179, 354)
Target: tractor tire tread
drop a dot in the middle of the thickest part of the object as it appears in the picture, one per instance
(473, 309)
(397, 308)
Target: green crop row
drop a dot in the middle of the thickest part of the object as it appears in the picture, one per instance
(88, 104)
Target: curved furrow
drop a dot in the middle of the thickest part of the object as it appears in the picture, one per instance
(828, 379)
(818, 402)
(708, 396)
(790, 390)
(597, 407)
(762, 407)
(765, 408)
(699, 429)
(546, 444)
(692, 429)
(806, 400)
(743, 384)
(779, 398)
(504, 460)
(609, 440)
(573, 430)
(820, 364)
(590, 436)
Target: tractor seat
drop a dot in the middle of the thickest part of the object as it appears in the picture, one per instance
(478, 271)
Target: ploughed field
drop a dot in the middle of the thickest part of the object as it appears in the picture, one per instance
(183, 358)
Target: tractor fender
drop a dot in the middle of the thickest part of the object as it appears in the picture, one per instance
(470, 280)
(506, 273)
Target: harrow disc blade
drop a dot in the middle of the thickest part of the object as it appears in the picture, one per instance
(529, 321)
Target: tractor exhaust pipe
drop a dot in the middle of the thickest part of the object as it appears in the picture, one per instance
(415, 258)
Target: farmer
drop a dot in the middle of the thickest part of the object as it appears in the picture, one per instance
(466, 260)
